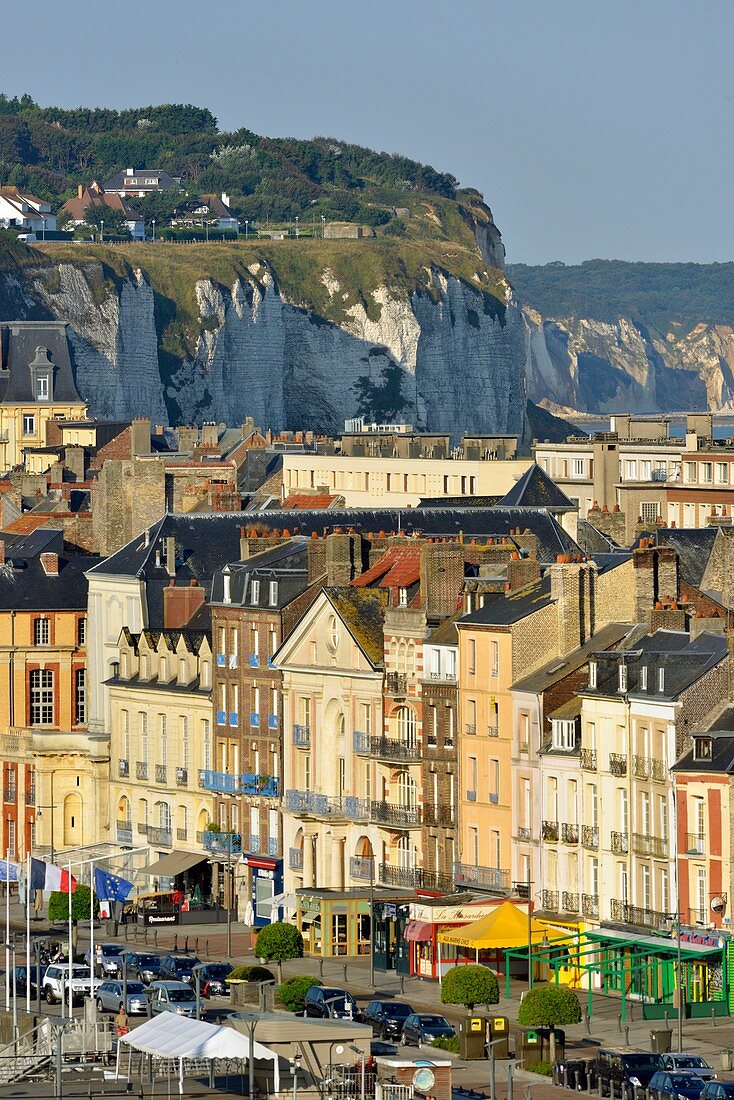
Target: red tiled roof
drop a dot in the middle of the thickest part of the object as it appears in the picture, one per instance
(399, 567)
(27, 524)
(308, 501)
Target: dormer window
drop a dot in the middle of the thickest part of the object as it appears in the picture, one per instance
(42, 388)
(661, 680)
(702, 748)
(402, 597)
(592, 674)
(273, 594)
(622, 677)
(227, 582)
(255, 592)
(643, 678)
(42, 375)
(563, 734)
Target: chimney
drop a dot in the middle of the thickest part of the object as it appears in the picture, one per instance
(140, 436)
(181, 604)
(170, 555)
(655, 576)
(2, 551)
(210, 435)
(129, 171)
(442, 577)
(244, 545)
(50, 564)
(521, 572)
(80, 190)
(573, 590)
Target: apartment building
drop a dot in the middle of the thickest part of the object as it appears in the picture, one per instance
(439, 758)
(705, 492)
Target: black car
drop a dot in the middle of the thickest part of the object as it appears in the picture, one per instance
(424, 1027)
(179, 968)
(329, 1004)
(147, 968)
(674, 1085)
(387, 1017)
(623, 1069)
(213, 979)
(19, 980)
(718, 1090)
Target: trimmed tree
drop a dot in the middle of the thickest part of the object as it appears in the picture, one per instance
(292, 993)
(58, 909)
(469, 985)
(549, 1006)
(277, 943)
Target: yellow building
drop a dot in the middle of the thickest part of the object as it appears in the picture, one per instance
(54, 766)
(38, 385)
(160, 740)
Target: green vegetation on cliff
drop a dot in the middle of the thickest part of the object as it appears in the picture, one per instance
(668, 297)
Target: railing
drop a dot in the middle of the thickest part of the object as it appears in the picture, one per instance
(494, 798)
(321, 805)
(415, 878)
(588, 760)
(159, 835)
(617, 763)
(485, 878)
(620, 843)
(213, 841)
(142, 828)
(141, 770)
(646, 768)
(386, 748)
(219, 781)
(182, 777)
(9, 794)
(161, 773)
(644, 845)
(698, 916)
(125, 832)
(444, 676)
(550, 899)
(302, 737)
(295, 859)
(494, 731)
(641, 917)
(569, 902)
(569, 833)
(443, 814)
(123, 768)
(523, 832)
(396, 684)
(695, 845)
(273, 846)
(471, 796)
(549, 830)
(181, 834)
(388, 813)
(470, 728)
(590, 905)
(254, 842)
(589, 836)
(30, 796)
(268, 786)
(362, 868)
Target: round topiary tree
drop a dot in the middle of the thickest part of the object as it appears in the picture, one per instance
(293, 991)
(58, 910)
(469, 985)
(277, 943)
(549, 1006)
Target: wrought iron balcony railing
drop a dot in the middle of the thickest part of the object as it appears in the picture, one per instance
(485, 878)
(549, 830)
(569, 833)
(590, 836)
(655, 846)
(590, 905)
(620, 843)
(415, 878)
(588, 760)
(617, 763)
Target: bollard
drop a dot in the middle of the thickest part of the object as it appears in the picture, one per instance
(565, 1075)
(186, 945)
(125, 927)
(196, 946)
(345, 973)
(587, 1021)
(145, 934)
(321, 968)
(206, 947)
(175, 942)
(713, 1017)
(155, 937)
(402, 984)
(627, 1036)
(619, 1025)
(576, 1081)
(600, 1087)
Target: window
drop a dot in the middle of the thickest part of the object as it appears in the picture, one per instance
(577, 467)
(471, 784)
(143, 728)
(42, 388)
(184, 724)
(254, 591)
(646, 888)
(41, 631)
(563, 734)
(645, 469)
(643, 678)
(495, 658)
(81, 631)
(623, 677)
(273, 594)
(80, 696)
(592, 674)
(29, 424)
(691, 472)
(182, 674)
(661, 680)
(472, 656)
(449, 727)
(42, 697)
(206, 739)
(722, 473)
(163, 674)
(205, 674)
(649, 510)
(707, 472)
(631, 469)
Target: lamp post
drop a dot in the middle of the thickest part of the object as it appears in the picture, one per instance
(340, 1050)
(101, 232)
(530, 932)
(296, 226)
(50, 806)
(250, 1018)
(246, 227)
(323, 225)
(295, 1063)
(197, 979)
(362, 1060)
(372, 918)
(492, 1066)
(152, 221)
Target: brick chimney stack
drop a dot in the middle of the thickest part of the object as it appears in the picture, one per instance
(49, 563)
(180, 604)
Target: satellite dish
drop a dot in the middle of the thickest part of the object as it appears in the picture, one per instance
(718, 904)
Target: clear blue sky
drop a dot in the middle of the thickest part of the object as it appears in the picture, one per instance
(594, 128)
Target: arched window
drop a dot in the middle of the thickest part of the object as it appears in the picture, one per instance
(405, 725)
(407, 792)
(402, 657)
(407, 854)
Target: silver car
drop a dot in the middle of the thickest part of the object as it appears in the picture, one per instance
(110, 995)
(176, 997)
(689, 1063)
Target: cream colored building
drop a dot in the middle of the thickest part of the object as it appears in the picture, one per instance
(367, 482)
(160, 740)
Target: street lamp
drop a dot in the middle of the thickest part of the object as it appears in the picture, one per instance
(101, 232)
(340, 1050)
(246, 225)
(197, 979)
(362, 1060)
(51, 806)
(251, 1019)
(295, 1064)
(296, 226)
(323, 225)
(153, 224)
(675, 917)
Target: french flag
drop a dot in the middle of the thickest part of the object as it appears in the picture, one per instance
(47, 876)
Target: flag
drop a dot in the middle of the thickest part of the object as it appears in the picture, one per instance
(47, 876)
(109, 887)
(8, 871)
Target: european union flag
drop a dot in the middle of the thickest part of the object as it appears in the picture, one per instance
(109, 887)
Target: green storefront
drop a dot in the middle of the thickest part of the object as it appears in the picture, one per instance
(336, 923)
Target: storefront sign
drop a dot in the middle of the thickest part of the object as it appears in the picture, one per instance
(160, 918)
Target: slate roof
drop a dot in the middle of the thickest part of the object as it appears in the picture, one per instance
(682, 660)
(535, 489)
(444, 634)
(693, 547)
(94, 195)
(19, 341)
(287, 564)
(25, 586)
(121, 181)
(504, 609)
(722, 756)
(561, 667)
(363, 611)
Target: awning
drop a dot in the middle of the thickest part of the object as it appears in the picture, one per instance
(506, 928)
(175, 864)
(418, 931)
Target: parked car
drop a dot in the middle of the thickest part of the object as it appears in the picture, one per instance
(55, 983)
(19, 980)
(387, 1017)
(110, 997)
(424, 1027)
(175, 997)
(718, 1090)
(179, 968)
(672, 1085)
(625, 1069)
(690, 1063)
(330, 1004)
(107, 959)
(146, 968)
(214, 979)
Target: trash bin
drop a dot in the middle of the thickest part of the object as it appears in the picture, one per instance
(727, 1059)
(498, 1033)
(471, 1037)
(661, 1040)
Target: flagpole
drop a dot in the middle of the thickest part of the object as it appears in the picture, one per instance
(71, 950)
(28, 932)
(91, 932)
(7, 929)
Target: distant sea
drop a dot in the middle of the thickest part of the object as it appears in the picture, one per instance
(723, 425)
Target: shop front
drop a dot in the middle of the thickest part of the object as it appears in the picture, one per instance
(336, 924)
(426, 922)
(266, 880)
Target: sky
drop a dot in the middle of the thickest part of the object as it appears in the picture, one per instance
(594, 128)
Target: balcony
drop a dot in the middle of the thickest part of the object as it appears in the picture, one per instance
(159, 834)
(221, 718)
(125, 832)
(698, 916)
(617, 763)
(181, 834)
(226, 843)
(588, 760)
(443, 815)
(550, 900)
(589, 836)
(415, 878)
(273, 846)
(223, 782)
(161, 773)
(645, 768)
(386, 748)
(569, 902)
(273, 721)
(523, 832)
(141, 770)
(302, 737)
(590, 905)
(549, 830)
(182, 777)
(362, 868)
(123, 768)
(569, 833)
(471, 796)
(254, 660)
(254, 719)
(695, 845)
(638, 916)
(494, 731)
(295, 859)
(267, 786)
(313, 804)
(254, 842)
(470, 729)
(396, 685)
(496, 879)
(388, 813)
(30, 796)
(620, 843)
(494, 798)
(644, 845)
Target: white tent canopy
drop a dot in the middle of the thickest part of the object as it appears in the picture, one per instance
(170, 1036)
